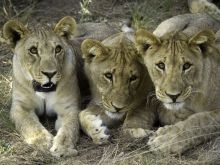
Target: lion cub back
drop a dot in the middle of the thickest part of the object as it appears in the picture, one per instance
(204, 6)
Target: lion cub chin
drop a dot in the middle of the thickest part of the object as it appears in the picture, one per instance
(44, 82)
(119, 83)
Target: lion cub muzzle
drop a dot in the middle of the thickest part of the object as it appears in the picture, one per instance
(48, 86)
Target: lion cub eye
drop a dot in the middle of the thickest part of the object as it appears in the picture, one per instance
(58, 49)
(33, 50)
(186, 66)
(133, 78)
(108, 76)
(161, 65)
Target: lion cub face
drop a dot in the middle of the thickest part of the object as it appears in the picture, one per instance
(116, 72)
(40, 52)
(175, 63)
(42, 57)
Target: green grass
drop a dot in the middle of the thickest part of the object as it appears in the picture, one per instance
(4, 146)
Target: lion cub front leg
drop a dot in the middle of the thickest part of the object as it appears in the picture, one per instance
(67, 127)
(186, 134)
(138, 123)
(93, 125)
(28, 124)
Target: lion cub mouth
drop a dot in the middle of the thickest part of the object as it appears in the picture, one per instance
(48, 87)
(174, 106)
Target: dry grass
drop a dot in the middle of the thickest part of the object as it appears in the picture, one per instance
(22, 11)
(120, 150)
(144, 14)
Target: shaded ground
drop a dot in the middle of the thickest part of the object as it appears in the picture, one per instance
(146, 13)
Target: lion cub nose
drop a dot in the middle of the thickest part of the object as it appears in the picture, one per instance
(49, 74)
(173, 97)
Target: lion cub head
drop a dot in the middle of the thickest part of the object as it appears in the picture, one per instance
(116, 71)
(40, 53)
(176, 64)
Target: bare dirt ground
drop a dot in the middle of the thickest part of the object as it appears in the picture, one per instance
(147, 13)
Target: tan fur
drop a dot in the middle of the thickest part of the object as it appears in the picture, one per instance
(205, 16)
(36, 53)
(204, 6)
(188, 24)
(120, 84)
(98, 31)
(190, 96)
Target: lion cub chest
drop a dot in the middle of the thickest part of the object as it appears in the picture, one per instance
(47, 101)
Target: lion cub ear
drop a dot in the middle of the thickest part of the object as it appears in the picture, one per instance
(203, 39)
(66, 27)
(144, 40)
(92, 49)
(13, 31)
(205, 36)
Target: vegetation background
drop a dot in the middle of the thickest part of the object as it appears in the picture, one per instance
(143, 13)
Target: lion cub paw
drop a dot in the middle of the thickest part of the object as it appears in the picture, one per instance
(167, 139)
(138, 132)
(63, 151)
(42, 140)
(63, 144)
(94, 127)
(100, 135)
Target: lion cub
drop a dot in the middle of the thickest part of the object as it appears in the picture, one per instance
(204, 6)
(185, 71)
(45, 82)
(119, 83)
